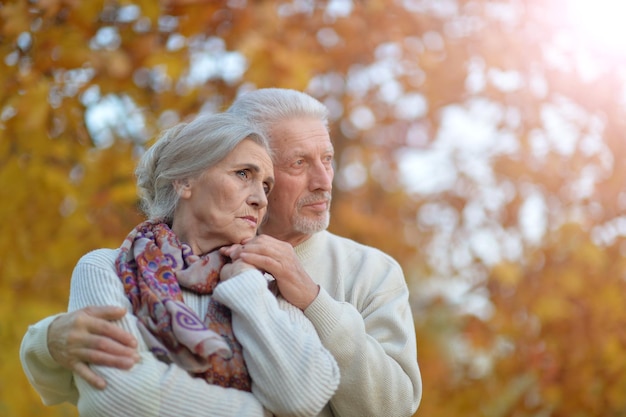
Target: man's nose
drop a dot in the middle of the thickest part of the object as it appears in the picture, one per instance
(321, 177)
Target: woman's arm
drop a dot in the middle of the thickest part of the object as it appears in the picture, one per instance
(151, 387)
(292, 373)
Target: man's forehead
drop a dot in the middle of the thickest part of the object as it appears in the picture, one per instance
(302, 148)
(298, 128)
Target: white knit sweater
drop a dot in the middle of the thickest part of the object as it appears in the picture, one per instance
(364, 318)
(361, 314)
(292, 373)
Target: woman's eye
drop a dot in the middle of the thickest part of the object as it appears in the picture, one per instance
(267, 188)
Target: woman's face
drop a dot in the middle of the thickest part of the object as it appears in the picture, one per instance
(227, 202)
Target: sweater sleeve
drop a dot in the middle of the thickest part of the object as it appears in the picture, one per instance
(53, 383)
(292, 373)
(373, 341)
(151, 387)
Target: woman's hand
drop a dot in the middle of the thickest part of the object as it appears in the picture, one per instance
(236, 267)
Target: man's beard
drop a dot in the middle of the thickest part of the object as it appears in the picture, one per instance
(309, 225)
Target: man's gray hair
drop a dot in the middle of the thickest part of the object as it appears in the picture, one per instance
(268, 106)
(185, 151)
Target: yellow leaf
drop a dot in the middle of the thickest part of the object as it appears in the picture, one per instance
(14, 18)
(507, 273)
(33, 111)
(573, 282)
(548, 308)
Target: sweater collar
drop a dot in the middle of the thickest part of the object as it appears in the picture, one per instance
(307, 248)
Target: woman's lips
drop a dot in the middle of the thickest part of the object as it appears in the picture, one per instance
(250, 220)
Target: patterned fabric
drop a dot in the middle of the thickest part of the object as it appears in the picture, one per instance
(153, 266)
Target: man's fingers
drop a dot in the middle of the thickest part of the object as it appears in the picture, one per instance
(110, 313)
(90, 376)
(103, 347)
(109, 330)
(121, 359)
(259, 261)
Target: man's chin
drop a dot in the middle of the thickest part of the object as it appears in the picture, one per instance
(310, 225)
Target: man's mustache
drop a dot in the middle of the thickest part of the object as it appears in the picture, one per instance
(315, 197)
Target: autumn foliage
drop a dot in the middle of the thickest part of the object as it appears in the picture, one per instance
(478, 142)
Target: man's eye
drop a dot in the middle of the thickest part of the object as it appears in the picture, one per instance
(267, 188)
(243, 173)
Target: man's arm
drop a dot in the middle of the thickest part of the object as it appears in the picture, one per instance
(88, 336)
(376, 354)
(149, 387)
(372, 336)
(58, 345)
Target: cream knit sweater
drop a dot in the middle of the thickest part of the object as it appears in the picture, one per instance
(362, 315)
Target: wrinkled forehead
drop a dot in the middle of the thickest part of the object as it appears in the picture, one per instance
(300, 135)
(303, 149)
(262, 158)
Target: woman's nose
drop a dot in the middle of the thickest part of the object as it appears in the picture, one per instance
(258, 197)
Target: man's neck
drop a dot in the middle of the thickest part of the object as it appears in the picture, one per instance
(295, 241)
(291, 237)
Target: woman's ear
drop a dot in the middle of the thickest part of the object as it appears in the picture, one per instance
(183, 188)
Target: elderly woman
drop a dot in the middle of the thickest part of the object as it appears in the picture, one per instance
(214, 339)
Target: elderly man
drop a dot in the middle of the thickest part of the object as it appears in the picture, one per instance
(355, 295)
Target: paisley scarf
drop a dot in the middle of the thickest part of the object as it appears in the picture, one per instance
(153, 265)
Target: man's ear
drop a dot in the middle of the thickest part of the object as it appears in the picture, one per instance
(183, 188)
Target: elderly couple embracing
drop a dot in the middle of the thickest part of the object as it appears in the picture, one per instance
(232, 298)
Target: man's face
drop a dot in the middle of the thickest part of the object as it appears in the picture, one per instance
(300, 202)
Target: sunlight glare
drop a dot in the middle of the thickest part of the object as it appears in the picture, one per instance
(601, 22)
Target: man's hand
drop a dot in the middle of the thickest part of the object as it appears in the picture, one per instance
(87, 336)
(279, 259)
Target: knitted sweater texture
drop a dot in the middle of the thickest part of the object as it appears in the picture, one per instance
(292, 373)
(362, 316)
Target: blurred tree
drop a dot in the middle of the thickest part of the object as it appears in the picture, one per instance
(477, 141)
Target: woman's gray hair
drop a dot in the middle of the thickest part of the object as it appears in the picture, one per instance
(185, 151)
(268, 106)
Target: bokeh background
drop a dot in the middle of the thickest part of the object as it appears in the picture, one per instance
(481, 143)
